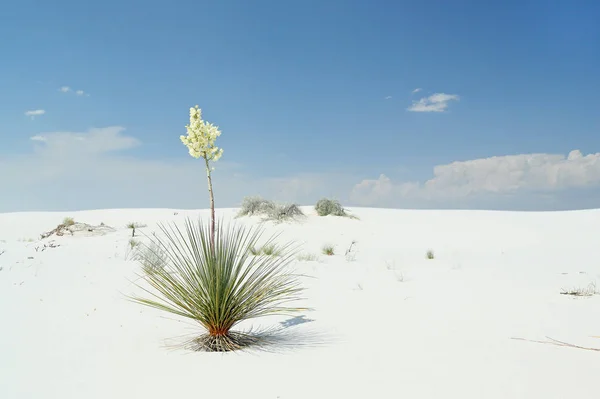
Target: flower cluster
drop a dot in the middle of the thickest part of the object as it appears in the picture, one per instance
(201, 136)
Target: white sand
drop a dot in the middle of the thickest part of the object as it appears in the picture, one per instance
(445, 331)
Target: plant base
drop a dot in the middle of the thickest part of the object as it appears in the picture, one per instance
(231, 341)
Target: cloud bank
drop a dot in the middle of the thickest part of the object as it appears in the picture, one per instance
(500, 176)
(96, 169)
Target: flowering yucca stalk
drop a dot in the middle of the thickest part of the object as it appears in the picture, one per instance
(200, 141)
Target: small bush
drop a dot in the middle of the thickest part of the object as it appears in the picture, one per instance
(326, 206)
(151, 257)
(133, 226)
(68, 221)
(430, 254)
(328, 250)
(255, 206)
(283, 212)
(269, 209)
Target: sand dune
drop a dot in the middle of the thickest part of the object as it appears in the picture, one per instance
(388, 322)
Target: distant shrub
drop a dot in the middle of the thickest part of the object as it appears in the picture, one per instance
(255, 206)
(133, 226)
(269, 209)
(328, 250)
(326, 206)
(152, 257)
(283, 212)
(68, 221)
(430, 254)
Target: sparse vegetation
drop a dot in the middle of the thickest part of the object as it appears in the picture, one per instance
(133, 226)
(269, 209)
(351, 256)
(328, 250)
(580, 291)
(430, 254)
(255, 206)
(268, 249)
(220, 287)
(68, 221)
(151, 257)
(284, 212)
(326, 206)
(133, 243)
(307, 257)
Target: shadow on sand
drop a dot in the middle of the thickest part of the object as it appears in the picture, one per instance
(291, 334)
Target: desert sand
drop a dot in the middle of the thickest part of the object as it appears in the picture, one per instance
(387, 322)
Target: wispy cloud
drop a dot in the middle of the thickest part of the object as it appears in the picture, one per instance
(388, 97)
(418, 89)
(68, 89)
(437, 102)
(35, 112)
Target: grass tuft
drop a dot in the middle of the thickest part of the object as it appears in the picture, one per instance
(307, 258)
(219, 289)
(328, 250)
(267, 249)
(430, 254)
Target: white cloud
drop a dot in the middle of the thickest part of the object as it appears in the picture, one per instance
(94, 141)
(437, 102)
(418, 89)
(496, 176)
(388, 97)
(35, 112)
(67, 89)
(96, 169)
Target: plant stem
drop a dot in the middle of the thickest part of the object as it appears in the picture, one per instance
(212, 208)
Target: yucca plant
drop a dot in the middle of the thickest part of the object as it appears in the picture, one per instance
(222, 288)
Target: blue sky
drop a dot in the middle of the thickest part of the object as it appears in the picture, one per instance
(314, 98)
